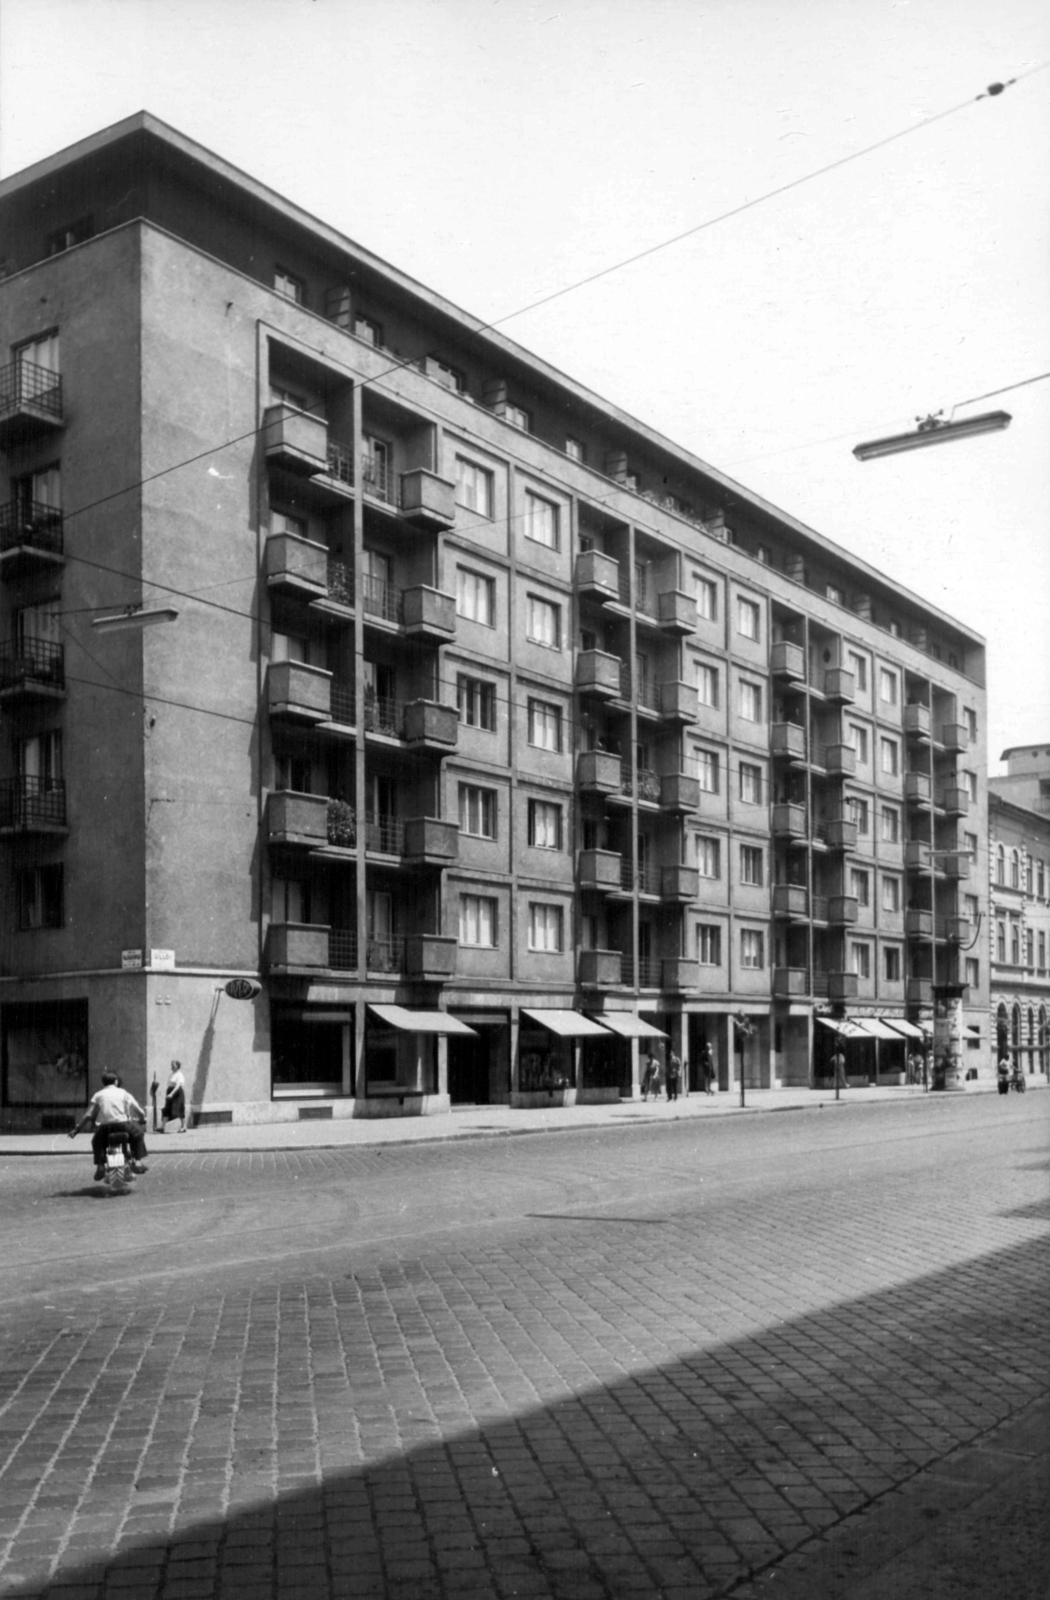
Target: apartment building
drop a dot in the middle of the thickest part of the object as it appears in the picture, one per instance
(1019, 917)
(498, 743)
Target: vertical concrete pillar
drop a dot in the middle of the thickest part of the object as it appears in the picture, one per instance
(360, 1068)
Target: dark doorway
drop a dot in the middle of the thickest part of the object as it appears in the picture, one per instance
(468, 1070)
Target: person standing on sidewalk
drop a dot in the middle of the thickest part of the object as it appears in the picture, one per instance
(838, 1062)
(674, 1076)
(707, 1068)
(174, 1108)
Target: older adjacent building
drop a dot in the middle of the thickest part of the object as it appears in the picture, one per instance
(1019, 918)
(498, 740)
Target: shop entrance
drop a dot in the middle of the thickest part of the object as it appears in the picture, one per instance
(468, 1070)
(307, 1057)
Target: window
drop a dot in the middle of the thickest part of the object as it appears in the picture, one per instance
(1028, 874)
(708, 857)
(889, 824)
(575, 450)
(971, 907)
(517, 416)
(474, 487)
(860, 958)
(544, 725)
(541, 521)
(290, 900)
(477, 811)
(891, 963)
(970, 723)
(545, 825)
(973, 972)
(546, 926)
(476, 702)
(1042, 951)
(857, 739)
(477, 920)
(38, 495)
(970, 844)
(891, 894)
(40, 897)
(706, 684)
(1000, 865)
(1015, 945)
(751, 865)
(707, 599)
(1029, 948)
(834, 594)
(747, 616)
(970, 785)
(1015, 869)
(857, 811)
(39, 352)
(543, 622)
(1040, 880)
(1000, 941)
(858, 665)
(73, 233)
(707, 770)
(366, 329)
(291, 287)
(709, 944)
(888, 686)
(750, 702)
(750, 784)
(38, 761)
(752, 948)
(441, 372)
(860, 886)
(475, 596)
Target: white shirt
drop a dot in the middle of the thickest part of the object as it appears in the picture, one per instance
(115, 1105)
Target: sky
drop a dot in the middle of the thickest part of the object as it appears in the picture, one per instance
(500, 150)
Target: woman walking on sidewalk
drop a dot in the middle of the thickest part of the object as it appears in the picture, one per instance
(174, 1099)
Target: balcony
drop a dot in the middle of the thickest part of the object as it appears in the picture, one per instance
(789, 982)
(30, 402)
(917, 722)
(838, 760)
(599, 870)
(840, 685)
(299, 692)
(295, 440)
(646, 786)
(917, 856)
(342, 950)
(598, 674)
(790, 900)
(384, 956)
(430, 841)
(676, 612)
(842, 909)
(377, 479)
(30, 536)
(679, 974)
(599, 969)
(953, 800)
(956, 866)
(958, 930)
(384, 834)
(430, 957)
(787, 661)
(953, 736)
(428, 614)
(382, 601)
(679, 883)
(918, 991)
(293, 818)
(787, 741)
(918, 924)
(297, 566)
(917, 789)
(679, 792)
(598, 575)
(789, 821)
(841, 985)
(598, 772)
(841, 833)
(292, 946)
(644, 877)
(427, 501)
(33, 805)
(678, 702)
(33, 669)
(430, 726)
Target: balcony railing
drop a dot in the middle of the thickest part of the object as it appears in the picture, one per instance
(642, 974)
(384, 714)
(28, 804)
(385, 955)
(30, 400)
(385, 834)
(342, 701)
(340, 581)
(377, 477)
(33, 663)
(648, 786)
(382, 599)
(340, 462)
(342, 950)
(31, 523)
(646, 878)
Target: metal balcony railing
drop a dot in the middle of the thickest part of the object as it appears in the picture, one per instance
(625, 585)
(646, 692)
(385, 834)
(820, 984)
(25, 383)
(645, 597)
(648, 782)
(377, 477)
(340, 581)
(32, 661)
(819, 907)
(383, 714)
(342, 950)
(385, 955)
(645, 878)
(28, 802)
(342, 701)
(32, 523)
(382, 599)
(340, 462)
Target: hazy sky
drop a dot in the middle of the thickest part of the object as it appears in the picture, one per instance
(498, 150)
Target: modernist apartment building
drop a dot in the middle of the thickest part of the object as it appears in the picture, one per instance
(1019, 920)
(498, 740)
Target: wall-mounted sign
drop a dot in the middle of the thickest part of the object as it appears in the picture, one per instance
(243, 988)
(162, 960)
(130, 960)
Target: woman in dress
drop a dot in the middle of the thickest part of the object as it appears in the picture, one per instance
(174, 1099)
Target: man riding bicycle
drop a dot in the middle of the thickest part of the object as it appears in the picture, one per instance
(114, 1109)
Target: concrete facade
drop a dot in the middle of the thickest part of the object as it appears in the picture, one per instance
(483, 698)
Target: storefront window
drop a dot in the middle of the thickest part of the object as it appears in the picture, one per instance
(46, 1054)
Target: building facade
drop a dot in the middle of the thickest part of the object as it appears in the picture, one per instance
(1019, 917)
(499, 742)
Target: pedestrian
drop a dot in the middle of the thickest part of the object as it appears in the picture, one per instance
(707, 1068)
(674, 1076)
(647, 1078)
(174, 1108)
(838, 1065)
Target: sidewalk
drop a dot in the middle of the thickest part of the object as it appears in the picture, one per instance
(479, 1122)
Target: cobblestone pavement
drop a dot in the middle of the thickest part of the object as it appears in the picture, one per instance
(668, 1361)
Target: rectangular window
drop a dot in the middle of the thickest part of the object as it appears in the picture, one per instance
(889, 824)
(747, 618)
(707, 684)
(1042, 951)
(288, 285)
(707, 599)
(970, 844)
(441, 372)
(1029, 948)
(891, 963)
(1040, 880)
(477, 920)
(858, 665)
(474, 487)
(889, 757)
(544, 725)
(542, 622)
(477, 811)
(750, 702)
(575, 450)
(973, 972)
(369, 331)
(541, 521)
(750, 784)
(752, 948)
(708, 857)
(517, 416)
(709, 944)
(857, 739)
(476, 702)
(1000, 941)
(475, 596)
(546, 927)
(857, 811)
(860, 958)
(73, 233)
(970, 723)
(751, 865)
(834, 594)
(860, 886)
(545, 825)
(40, 897)
(40, 352)
(971, 906)
(888, 686)
(707, 771)
(970, 785)
(37, 496)
(891, 894)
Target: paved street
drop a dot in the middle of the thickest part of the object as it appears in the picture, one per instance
(680, 1359)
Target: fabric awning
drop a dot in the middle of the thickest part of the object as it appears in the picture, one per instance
(848, 1030)
(879, 1029)
(420, 1021)
(566, 1024)
(908, 1029)
(630, 1026)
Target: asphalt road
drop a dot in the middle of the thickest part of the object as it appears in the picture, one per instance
(683, 1361)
